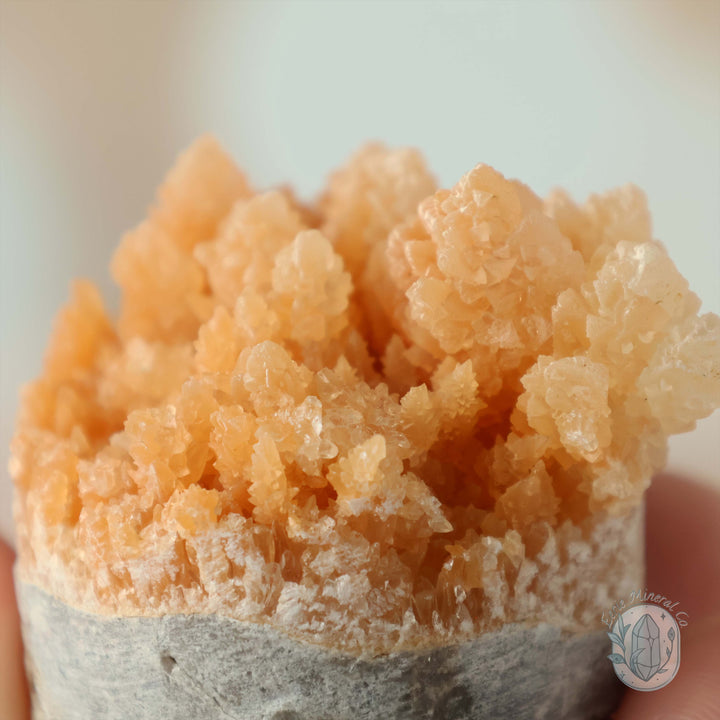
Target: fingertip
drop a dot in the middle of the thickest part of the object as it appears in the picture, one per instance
(682, 541)
(13, 686)
(683, 564)
(694, 694)
(7, 590)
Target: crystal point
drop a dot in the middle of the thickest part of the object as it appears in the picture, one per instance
(645, 647)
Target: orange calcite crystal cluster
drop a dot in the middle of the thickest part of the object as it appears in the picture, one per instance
(402, 415)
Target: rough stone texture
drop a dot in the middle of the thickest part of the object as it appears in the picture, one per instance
(204, 667)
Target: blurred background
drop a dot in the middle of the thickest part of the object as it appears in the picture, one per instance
(97, 98)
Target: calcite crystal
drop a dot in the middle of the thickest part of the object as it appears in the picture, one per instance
(400, 418)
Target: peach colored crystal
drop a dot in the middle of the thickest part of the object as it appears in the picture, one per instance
(395, 416)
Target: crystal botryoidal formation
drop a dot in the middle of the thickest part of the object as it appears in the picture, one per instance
(398, 418)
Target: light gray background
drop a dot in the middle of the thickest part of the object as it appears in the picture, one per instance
(96, 99)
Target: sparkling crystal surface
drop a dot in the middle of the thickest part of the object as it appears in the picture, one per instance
(400, 413)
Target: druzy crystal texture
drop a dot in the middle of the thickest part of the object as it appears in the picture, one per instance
(397, 416)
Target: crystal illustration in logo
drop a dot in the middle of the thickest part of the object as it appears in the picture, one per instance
(645, 658)
(646, 647)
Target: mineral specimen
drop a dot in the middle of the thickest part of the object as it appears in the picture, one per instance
(401, 418)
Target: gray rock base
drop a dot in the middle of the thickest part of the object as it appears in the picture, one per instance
(202, 667)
